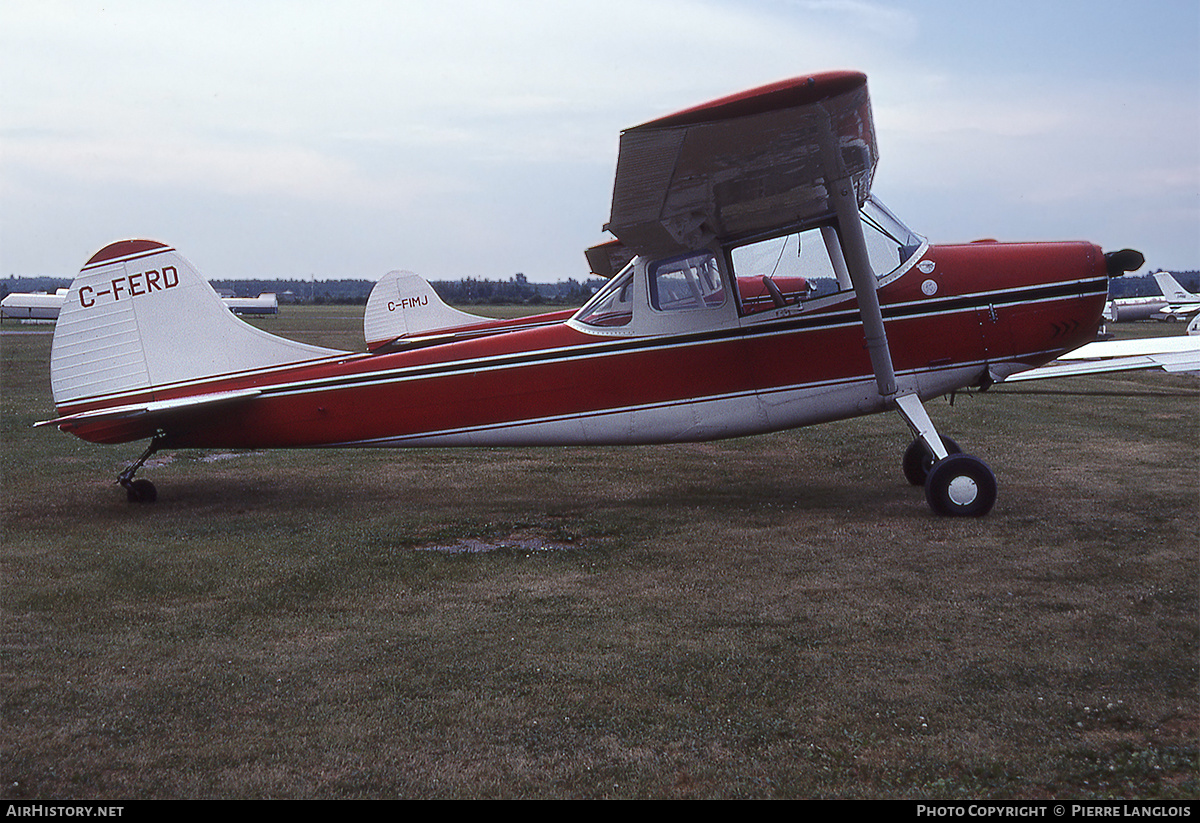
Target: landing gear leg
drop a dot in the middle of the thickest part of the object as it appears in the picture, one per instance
(956, 484)
(919, 460)
(140, 491)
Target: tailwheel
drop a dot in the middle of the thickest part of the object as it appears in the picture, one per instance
(960, 486)
(918, 459)
(140, 491)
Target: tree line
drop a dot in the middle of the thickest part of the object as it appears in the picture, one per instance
(480, 291)
(465, 292)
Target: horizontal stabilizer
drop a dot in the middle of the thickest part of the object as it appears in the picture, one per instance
(154, 408)
(403, 304)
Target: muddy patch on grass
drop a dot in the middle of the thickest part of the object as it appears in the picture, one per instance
(207, 457)
(512, 544)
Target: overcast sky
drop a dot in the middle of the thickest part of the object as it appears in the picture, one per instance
(458, 138)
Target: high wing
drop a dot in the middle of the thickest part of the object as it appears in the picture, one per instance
(756, 164)
(743, 165)
(1172, 354)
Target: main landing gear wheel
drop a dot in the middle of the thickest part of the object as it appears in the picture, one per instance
(918, 459)
(960, 486)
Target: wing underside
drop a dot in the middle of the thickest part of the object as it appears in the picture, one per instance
(742, 166)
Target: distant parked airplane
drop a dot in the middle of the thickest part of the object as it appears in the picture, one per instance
(1175, 303)
(32, 305)
(1181, 303)
(1128, 309)
(265, 303)
(43, 306)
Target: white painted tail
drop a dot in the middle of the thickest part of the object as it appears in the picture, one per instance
(403, 304)
(1171, 289)
(140, 317)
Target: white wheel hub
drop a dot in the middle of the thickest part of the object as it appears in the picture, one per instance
(963, 490)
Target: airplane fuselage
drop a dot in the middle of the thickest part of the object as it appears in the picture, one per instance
(956, 316)
(723, 215)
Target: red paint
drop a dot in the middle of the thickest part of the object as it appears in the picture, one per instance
(124, 248)
(785, 94)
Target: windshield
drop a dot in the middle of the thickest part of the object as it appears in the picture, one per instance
(612, 305)
(890, 243)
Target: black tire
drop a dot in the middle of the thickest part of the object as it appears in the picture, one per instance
(961, 486)
(918, 459)
(141, 491)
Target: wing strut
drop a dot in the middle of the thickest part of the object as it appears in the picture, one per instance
(854, 249)
(843, 197)
(955, 484)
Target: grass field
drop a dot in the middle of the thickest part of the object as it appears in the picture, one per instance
(777, 617)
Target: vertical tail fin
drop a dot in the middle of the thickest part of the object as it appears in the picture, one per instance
(139, 317)
(1171, 289)
(403, 304)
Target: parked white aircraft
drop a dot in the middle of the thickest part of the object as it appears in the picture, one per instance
(1129, 309)
(32, 305)
(43, 306)
(265, 303)
(1180, 303)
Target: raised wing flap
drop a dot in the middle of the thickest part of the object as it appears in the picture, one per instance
(743, 165)
(608, 258)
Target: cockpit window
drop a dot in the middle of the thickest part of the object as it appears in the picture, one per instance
(779, 271)
(683, 283)
(787, 269)
(802, 254)
(612, 305)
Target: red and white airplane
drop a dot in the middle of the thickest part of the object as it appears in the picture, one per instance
(707, 329)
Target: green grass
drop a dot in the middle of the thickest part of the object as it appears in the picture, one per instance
(770, 617)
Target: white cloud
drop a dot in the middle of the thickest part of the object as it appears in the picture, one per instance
(499, 118)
